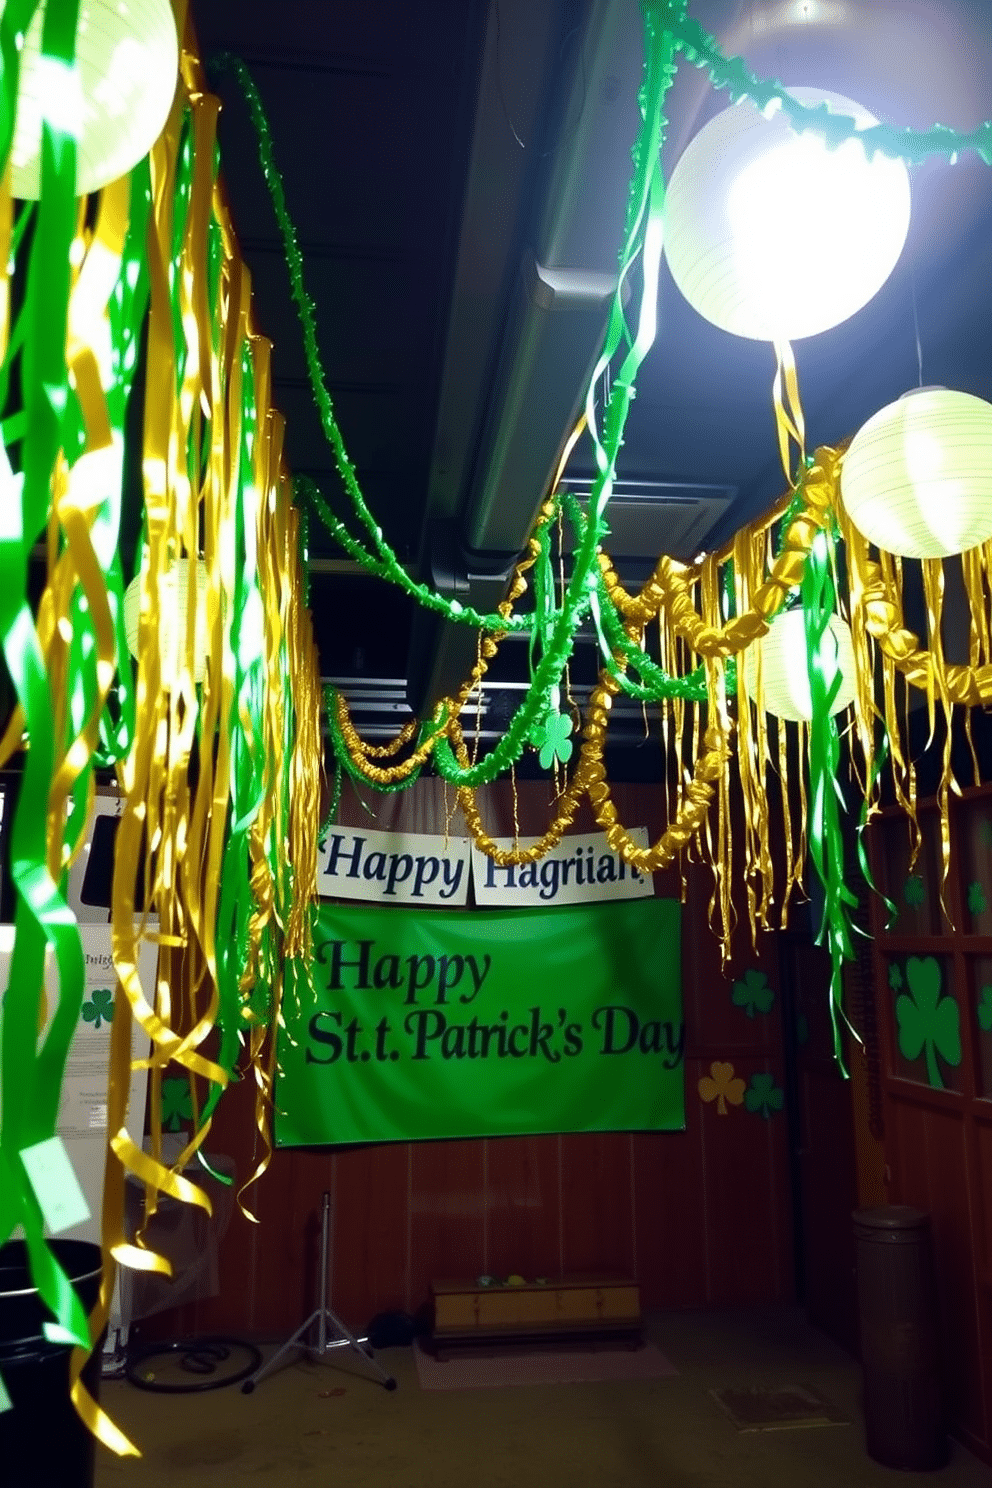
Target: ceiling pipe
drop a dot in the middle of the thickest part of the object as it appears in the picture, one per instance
(551, 335)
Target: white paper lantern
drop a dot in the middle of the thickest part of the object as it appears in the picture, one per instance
(172, 601)
(784, 677)
(769, 234)
(917, 478)
(127, 64)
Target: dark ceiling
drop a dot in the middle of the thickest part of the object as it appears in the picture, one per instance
(457, 172)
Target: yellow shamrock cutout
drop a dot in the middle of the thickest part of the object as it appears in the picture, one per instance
(720, 1085)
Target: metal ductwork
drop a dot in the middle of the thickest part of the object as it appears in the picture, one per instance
(545, 330)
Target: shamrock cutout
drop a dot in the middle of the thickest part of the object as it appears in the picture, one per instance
(915, 892)
(753, 994)
(977, 903)
(928, 1024)
(177, 1103)
(720, 1085)
(764, 1096)
(895, 976)
(984, 1010)
(100, 1008)
(553, 739)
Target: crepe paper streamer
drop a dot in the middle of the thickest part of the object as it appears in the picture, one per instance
(729, 220)
(917, 477)
(911, 145)
(720, 1085)
(6, 1403)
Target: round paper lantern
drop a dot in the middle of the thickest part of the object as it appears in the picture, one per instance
(127, 64)
(917, 478)
(784, 678)
(173, 601)
(769, 234)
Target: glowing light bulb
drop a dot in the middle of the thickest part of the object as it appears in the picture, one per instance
(115, 100)
(770, 234)
(917, 478)
(781, 655)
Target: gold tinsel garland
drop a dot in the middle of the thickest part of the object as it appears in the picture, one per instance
(686, 601)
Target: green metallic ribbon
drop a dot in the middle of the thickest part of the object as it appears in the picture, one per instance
(126, 310)
(826, 844)
(32, 1076)
(248, 779)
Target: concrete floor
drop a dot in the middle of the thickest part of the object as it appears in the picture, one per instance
(666, 1433)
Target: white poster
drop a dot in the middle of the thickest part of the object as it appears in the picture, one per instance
(579, 870)
(393, 867)
(82, 1123)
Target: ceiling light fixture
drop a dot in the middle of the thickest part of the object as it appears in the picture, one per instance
(771, 235)
(917, 478)
(120, 92)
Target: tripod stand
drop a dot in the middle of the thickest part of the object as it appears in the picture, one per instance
(337, 1336)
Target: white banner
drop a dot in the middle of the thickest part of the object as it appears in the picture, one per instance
(579, 870)
(393, 867)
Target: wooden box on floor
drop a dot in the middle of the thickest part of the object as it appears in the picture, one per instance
(566, 1310)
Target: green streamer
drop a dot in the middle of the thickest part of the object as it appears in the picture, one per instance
(826, 845)
(304, 488)
(32, 1076)
(236, 903)
(912, 145)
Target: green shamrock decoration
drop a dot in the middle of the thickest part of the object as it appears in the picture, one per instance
(553, 739)
(753, 993)
(977, 903)
(764, 1096)
(928, 1024)
(177, 1103)
(915, 892)
(984, 1010)
(100, 1008)
(895, 976)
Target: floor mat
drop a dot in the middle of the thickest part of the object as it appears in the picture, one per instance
(564, 1367)
(782, 1408)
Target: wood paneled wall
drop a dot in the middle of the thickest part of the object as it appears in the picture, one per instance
(938, 1113)
(700, 1217)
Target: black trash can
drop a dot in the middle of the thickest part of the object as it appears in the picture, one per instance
(897, 1305)
(42, 1440)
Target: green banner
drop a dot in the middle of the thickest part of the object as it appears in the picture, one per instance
(461, 1024)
